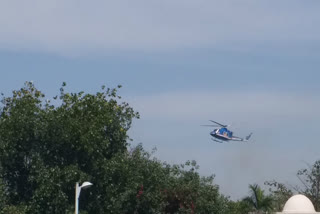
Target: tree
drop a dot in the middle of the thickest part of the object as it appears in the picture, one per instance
(280, 194)
(310, 180)
(46, 146)
(310, 186)
(188, 192)
(257, 200)
(238, 207)
(133, 184)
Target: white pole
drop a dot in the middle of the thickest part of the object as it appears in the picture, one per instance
(85, 185)
(77, 198)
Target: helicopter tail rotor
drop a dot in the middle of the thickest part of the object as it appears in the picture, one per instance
(248, 137)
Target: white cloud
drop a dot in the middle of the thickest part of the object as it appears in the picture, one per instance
(82, 26)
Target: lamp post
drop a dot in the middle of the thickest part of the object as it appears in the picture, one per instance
(84, 185)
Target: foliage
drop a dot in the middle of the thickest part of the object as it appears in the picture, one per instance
(280, 194)
(142, 184)
(257, 199)
(238, 207)
(310, 186)
(310, 180)
(46, 146)
(187, 192)
(7, 209)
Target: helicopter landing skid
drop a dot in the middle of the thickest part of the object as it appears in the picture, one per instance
(216, 140)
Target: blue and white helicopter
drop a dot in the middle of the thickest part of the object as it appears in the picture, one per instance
(222, 134)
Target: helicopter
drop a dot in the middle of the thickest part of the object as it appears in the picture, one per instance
(222, 134)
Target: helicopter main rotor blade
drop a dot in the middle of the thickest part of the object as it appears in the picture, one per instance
(211, 125)
(219, 123)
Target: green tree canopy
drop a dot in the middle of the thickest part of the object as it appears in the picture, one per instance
(310, 180)
(46, 146)
(280, 194)
(258, 200)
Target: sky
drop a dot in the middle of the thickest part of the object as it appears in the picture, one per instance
(252, 64)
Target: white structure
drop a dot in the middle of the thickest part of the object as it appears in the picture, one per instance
(298, 204)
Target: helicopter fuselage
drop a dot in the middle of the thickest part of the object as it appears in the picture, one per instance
(222, 134)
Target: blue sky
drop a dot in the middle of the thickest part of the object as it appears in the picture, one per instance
(252, 64)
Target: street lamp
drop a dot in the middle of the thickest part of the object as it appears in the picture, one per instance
(84, 185)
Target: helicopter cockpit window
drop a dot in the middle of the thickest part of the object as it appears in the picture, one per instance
(222, 131)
